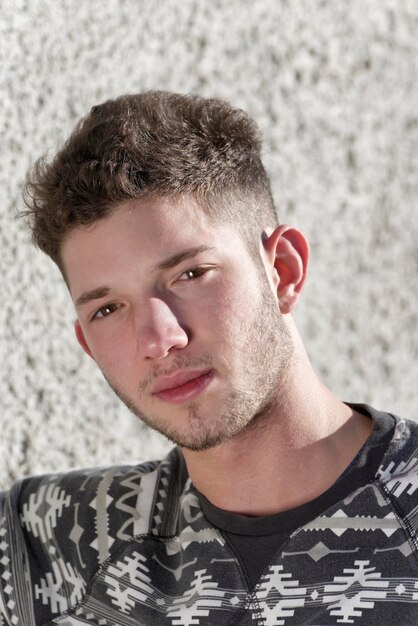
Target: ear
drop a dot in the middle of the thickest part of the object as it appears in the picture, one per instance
(81, 338)
(288, 255)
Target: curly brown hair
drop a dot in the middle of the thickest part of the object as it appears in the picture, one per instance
(146, 145)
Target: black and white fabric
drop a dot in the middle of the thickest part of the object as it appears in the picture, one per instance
(131, 546)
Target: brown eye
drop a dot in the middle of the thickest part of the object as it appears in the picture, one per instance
(106, 310)
(193, 273)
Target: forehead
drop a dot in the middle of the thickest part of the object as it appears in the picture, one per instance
(140, 234)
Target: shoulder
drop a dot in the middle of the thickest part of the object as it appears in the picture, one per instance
(398, 472)
(402, 453)
(61, 527)
(115, 501)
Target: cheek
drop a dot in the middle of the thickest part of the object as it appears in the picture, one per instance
(222, 306)
(229, 312)
(113, 350)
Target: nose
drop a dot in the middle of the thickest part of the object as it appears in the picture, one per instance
(158, 330)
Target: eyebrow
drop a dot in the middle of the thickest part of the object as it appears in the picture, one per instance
(166, 264)
(179, 257)
(94, 294)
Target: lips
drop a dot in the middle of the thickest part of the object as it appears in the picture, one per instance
(182, 386)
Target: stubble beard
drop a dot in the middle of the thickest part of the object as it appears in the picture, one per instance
(267, 352)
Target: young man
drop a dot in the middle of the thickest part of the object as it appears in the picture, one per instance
(279, 504)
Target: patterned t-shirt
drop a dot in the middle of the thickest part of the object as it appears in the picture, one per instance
(131, 546)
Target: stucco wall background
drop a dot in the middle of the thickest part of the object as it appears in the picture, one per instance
(333, 85)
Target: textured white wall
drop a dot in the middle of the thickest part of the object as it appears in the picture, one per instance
(333, 85)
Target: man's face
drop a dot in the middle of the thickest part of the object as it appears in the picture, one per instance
(180, 319)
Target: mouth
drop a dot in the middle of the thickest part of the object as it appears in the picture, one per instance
(182, 386)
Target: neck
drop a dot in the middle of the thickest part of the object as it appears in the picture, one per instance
(287, 457)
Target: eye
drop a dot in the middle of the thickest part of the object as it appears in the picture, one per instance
(105, 311)
(193, 273)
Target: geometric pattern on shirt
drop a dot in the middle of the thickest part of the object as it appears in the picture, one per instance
(127, 546)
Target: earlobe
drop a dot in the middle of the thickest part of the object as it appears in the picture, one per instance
(288, 254)
(81, 338)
